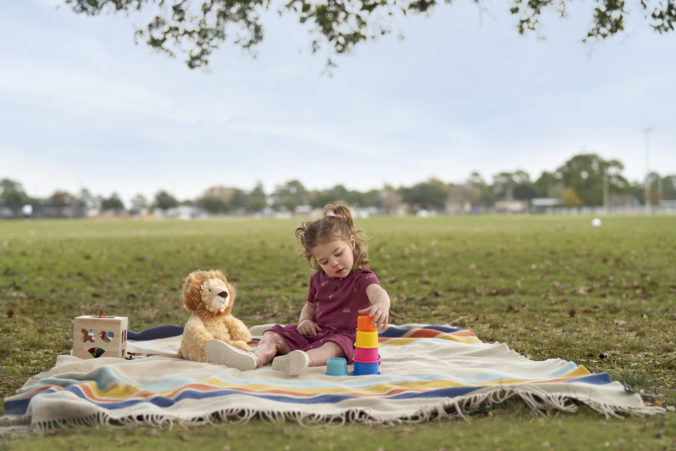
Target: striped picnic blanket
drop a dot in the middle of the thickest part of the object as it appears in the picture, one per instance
(427, 371)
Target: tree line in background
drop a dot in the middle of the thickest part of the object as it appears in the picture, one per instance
(584, 180)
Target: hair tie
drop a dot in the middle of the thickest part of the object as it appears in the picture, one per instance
(333, 215)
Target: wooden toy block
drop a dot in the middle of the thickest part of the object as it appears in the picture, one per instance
(99, 336)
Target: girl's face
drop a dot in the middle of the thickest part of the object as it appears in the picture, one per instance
(335, 257)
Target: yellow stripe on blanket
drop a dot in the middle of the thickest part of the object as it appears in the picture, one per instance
(406, 341)
(579, 371)
(118, 390)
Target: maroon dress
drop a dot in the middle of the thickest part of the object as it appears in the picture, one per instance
(337, 303)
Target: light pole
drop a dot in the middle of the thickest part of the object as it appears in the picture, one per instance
(646, 192)
(606, 196)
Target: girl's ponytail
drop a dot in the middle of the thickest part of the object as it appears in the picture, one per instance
(339, 211)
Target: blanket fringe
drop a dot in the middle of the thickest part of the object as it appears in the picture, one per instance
(537, 400)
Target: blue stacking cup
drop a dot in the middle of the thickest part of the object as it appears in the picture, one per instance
(336, 366)
(365, 368)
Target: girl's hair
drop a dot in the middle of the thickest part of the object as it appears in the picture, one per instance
(336, 224)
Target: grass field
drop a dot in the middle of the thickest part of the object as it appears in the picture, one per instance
(547, 286)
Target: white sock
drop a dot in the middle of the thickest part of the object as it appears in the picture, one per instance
(293, 363)
(221, 353)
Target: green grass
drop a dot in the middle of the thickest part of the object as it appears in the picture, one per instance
(547, 286)
(499, 431)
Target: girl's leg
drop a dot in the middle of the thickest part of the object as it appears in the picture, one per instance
(295, 362)
(270, 345)
(319, 356)
(222, 353)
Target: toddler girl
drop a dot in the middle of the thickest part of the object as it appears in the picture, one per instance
(340, 290)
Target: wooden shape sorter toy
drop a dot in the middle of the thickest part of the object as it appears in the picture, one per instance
(99, 336)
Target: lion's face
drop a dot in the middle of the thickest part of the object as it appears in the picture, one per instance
(215, 295)
(208, 293)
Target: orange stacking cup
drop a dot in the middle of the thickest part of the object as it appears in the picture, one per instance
(365, 323)
(366, 339)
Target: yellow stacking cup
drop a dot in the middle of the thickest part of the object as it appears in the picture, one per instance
(366, 339)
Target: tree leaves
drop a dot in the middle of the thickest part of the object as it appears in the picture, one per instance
(196, 30)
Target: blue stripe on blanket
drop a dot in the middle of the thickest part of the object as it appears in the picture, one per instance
(16, 406)
(595, 379)
(155, 333)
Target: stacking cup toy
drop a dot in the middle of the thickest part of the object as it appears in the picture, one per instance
(365, 323)
(366, 339)
(366, 355)
(364, 368)
(336, 366)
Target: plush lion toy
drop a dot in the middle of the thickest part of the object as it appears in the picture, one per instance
(209, 296)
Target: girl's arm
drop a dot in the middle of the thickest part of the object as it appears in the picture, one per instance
(380, 305)
(306, 322)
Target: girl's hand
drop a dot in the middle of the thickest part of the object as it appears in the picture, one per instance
(308, 327)
(380, 314)
(380, 305)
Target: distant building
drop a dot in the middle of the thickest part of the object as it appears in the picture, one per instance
(43, 210)
(623, 201)
(7, 212)
(544, 204)
(181, 212)
(457, 207)
(303, 210)
(511, 206)
(668, 205)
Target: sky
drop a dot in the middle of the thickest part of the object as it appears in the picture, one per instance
(83, 106)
